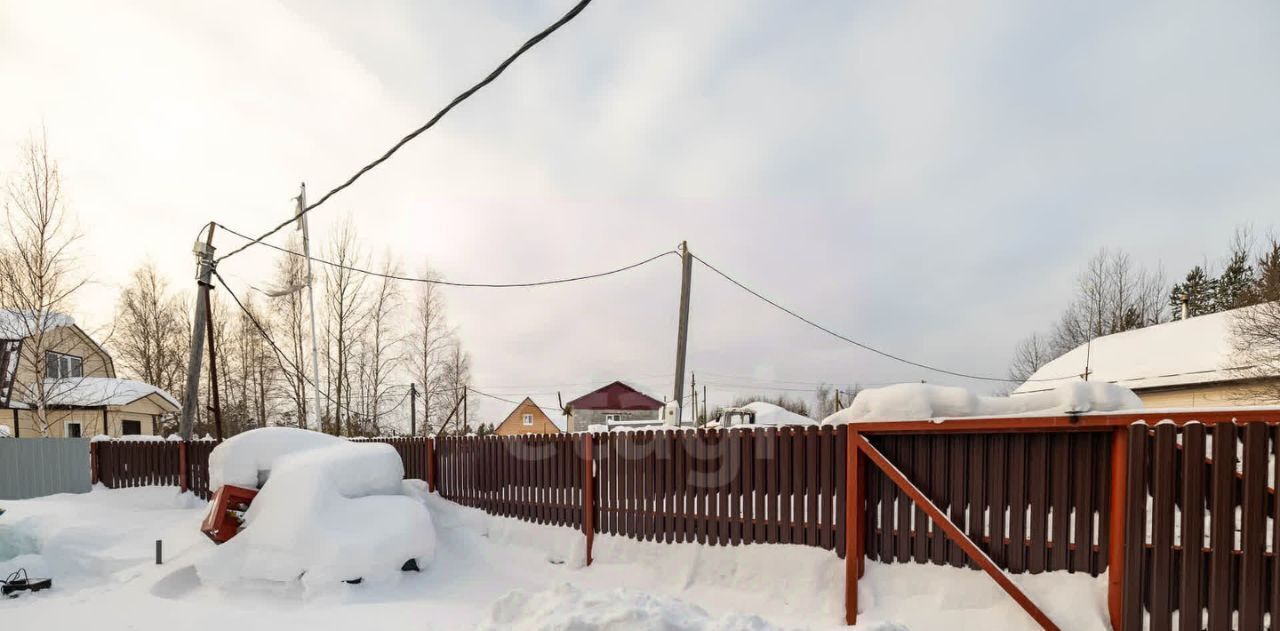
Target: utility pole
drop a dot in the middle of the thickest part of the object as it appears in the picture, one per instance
(705, 411)
(204, 274)
(682, 337)
(311, 298)
(213, 368)
(413, 409)
(693, 388)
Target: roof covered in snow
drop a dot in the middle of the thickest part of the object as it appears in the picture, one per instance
(17, 324)
(615, 396)
(1185, 352)
(96, 391)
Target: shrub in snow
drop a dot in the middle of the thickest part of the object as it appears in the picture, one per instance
(919, 401)
(329, 511)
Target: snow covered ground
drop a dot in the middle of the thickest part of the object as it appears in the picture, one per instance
(488, 573)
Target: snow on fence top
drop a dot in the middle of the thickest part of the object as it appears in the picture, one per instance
(1195, 350)
(920, 401)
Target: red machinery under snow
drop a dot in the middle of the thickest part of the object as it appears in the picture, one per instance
(226, 512)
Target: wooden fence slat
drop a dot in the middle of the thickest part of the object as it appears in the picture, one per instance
(921, 447)
(888, 503)
(798, 485)
(772, 492)
(784, 485)
(1038, 497)
(1222, 527)
(1274, 583)
(842, 489)
(826, 492)
(959, 496)
(1253, 528)
(1191, 579)
(977, 491)
(1135, 527)
(997, 496)
(940, 546)
(1060, 500)
(1082, 476)
(811, 488)
(760, 494)
(1160, 579)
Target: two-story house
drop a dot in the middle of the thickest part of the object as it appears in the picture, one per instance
(56, 381)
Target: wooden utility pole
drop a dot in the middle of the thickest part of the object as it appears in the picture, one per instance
(311, 298)
(213, 370)
(204, 274)
(682, 336)
(693, 392)
(413, 409)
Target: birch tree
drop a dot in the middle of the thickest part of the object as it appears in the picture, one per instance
(38, 278)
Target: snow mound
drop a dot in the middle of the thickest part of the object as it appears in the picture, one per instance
(772, 415)
(919, 401)
(567, 607)
(245, 459)
(327, 514)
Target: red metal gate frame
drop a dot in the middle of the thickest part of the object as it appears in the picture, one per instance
(1116, 424)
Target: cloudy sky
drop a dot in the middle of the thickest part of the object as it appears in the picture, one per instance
(924, 177)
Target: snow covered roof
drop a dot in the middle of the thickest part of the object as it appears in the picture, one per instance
(17, 324)
(95, 391)
(770, 415)
(1192, 351)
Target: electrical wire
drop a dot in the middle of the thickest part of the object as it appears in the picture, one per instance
(504, 400)
(280, 356)
(437, 281)
(533, 41)
(854, 342)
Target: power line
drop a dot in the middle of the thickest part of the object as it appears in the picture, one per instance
(533, 41)
(498, 398)
(853, 341)
(280, 356)
(437, 281)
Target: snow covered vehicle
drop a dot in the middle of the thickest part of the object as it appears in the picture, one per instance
(317, 508)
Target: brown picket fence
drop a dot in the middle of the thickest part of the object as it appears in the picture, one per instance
(1180, 509)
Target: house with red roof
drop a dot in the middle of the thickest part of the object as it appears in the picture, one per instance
(612, 404)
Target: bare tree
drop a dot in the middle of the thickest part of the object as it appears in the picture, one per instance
(37, 271)
(430, 341)
(151, 332)
(291, 320)
(380, 355)
(1032, 353)
(345, 318)
(454, 382)
(1256, 332)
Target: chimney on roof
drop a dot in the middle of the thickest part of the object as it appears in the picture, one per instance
(1185, 300)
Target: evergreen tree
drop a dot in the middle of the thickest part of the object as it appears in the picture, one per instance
(1198, 290)
(1267, 279)
(1235, 287)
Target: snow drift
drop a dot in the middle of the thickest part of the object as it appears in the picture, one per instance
(329, 511)
(770, 415)
(919, 401)
(568, 607)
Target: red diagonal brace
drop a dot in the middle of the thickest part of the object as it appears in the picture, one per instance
(953, 532)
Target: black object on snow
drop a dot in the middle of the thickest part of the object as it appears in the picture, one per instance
(19, 581)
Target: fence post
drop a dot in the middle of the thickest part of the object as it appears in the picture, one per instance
(1116, 528)
(431, 464)
(93, 463)
(854, 513)
(588, 492)
(184, 483)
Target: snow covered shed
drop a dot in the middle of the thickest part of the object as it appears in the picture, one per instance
(611, 404)
(527, 418)
(47, 361)
(1183, 364)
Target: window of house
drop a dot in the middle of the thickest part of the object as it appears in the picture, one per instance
(73, 429)
(528, 420)
(61, 366)
(131, 428)
(611, 418)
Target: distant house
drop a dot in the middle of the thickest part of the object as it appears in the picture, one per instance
(527, 418)
(610, 405)
(1183, 364)
(48, 359)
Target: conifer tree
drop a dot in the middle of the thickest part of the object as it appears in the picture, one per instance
(1235, 286)
(1198, 290)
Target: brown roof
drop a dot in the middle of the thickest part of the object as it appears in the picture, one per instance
(615, 396)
